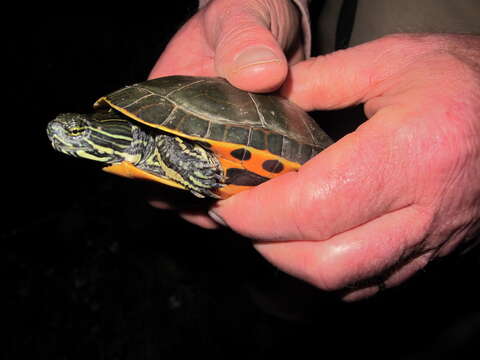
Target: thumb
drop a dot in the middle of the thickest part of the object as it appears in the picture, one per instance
(247, 53)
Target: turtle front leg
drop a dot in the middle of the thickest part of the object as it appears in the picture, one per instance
(186, 163)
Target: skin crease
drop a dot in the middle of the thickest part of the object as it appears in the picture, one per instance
(383, 201)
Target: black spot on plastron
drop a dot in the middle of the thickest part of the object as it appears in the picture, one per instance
(244, 177)
(241, 154)
(273, 166)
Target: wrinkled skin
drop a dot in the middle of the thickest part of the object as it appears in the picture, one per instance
(382, 202)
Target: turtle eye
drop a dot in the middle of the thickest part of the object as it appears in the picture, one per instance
(76, 130)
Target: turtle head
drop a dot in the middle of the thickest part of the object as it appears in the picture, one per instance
(99, 137)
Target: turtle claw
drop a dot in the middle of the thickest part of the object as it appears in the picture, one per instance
(215, 196)
(205, 194)
(197, 194)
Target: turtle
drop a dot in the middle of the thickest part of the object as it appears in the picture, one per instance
(199, 134)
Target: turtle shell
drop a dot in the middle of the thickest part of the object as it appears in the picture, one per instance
(263, 134)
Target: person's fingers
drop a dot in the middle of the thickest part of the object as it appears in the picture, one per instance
(355, 179)
(254, 63)
(396, 278)
(379, 197)
(161, 204)
(355, 75)
(356, 254)
(245, 42)
(247, 52)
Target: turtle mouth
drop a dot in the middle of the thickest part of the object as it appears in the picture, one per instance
(58, 145)
(66, 148)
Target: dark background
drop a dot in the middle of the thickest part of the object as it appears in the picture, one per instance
(90, 271)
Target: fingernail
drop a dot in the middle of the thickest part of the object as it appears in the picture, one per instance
(217, 218)
(254, 56)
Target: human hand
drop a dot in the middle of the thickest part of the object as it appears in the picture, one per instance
(242, 41)
(404, 188)
(250, 43)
